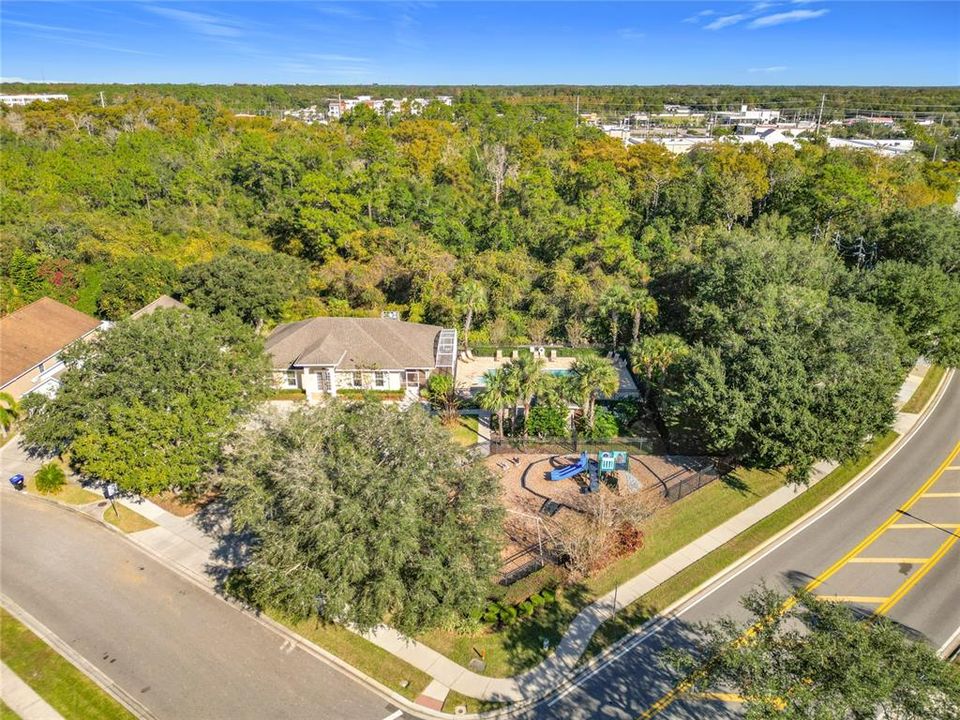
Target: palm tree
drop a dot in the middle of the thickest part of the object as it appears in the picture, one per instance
(652, 356)
(496, 394)
(473, 297)
(643, 308)
(527, 376)
(594, 376)
(9, 410)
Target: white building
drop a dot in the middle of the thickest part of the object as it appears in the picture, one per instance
(324, 355)
(888, 147)
(21, 100)
(757, 116)
(338, 107)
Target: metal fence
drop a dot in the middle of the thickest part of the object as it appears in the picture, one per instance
(565, 445)
(682, 485)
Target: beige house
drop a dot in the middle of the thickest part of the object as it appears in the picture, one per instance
(31, 340)
(325, 354)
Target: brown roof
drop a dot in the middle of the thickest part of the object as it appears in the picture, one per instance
(353, 343)
(37, 331)
(164, 301)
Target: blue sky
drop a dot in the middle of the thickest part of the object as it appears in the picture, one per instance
(787, 42)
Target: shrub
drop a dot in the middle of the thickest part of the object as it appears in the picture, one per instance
(526, 608)
(492, 613)
(508, 615)
(547, 421)
(537, 600)
(549, 597)
(50, 478)
(604, 426)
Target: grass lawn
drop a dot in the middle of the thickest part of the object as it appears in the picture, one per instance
(924, 391)
(677, 525)
(472, 704)
(362, 654)
(699, 572)
(129, 521)
(71, 493)
(465, 431)
(52, 677)
(513, 649)
(6, 713)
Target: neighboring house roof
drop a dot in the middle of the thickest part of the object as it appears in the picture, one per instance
(35, 332)
(164, 301)
(354, 343)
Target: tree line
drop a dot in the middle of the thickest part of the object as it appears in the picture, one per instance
(808, 278)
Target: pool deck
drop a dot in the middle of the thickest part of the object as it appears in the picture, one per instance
(470, 371)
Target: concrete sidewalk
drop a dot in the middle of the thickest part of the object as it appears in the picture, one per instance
(203, 546)
(22, 699)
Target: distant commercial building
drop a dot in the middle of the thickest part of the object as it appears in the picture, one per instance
(746, 116)
(888, 147)
(21, 100)
(338, 107)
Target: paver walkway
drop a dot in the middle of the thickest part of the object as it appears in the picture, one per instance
(204, 548)
(22, 699)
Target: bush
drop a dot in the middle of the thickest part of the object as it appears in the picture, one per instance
(547, 421)
(537, 600)
(549, 597)
(508, 615)
(604, 426)
(492, 613)
(50, 478)
(526, 608)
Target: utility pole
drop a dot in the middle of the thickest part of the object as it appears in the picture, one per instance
(578, 111)
(103, 103)
(823, 98)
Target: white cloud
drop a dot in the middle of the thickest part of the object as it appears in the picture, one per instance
(726, 21)
(770, 69)
(200, 22)
(786, 17)
(697, 17)
(327, 57)
(631, 34)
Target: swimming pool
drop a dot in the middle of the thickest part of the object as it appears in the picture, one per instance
(556, 372)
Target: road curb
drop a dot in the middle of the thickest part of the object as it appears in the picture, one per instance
(644, 630)
(133, 705)
(853, 484)
(201, 582)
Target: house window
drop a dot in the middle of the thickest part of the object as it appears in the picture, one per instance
(356, 379)
(290, 379)
(379, 379)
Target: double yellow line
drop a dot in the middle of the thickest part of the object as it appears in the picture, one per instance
(670, 697)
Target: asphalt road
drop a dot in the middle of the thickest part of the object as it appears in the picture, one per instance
(634, 680)
(181, 652)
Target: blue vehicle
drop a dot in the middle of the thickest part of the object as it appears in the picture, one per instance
(17, 481)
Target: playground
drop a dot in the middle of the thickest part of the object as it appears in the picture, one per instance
(532, 499)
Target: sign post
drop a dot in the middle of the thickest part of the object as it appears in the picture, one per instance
(110, 492)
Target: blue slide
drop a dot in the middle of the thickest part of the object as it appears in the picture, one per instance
(568, 471)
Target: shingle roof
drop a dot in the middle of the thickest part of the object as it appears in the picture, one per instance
(354, 343)
(164, 301)
(37, 331)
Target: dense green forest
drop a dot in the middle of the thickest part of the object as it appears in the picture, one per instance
(939, 101)
(796, 283)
